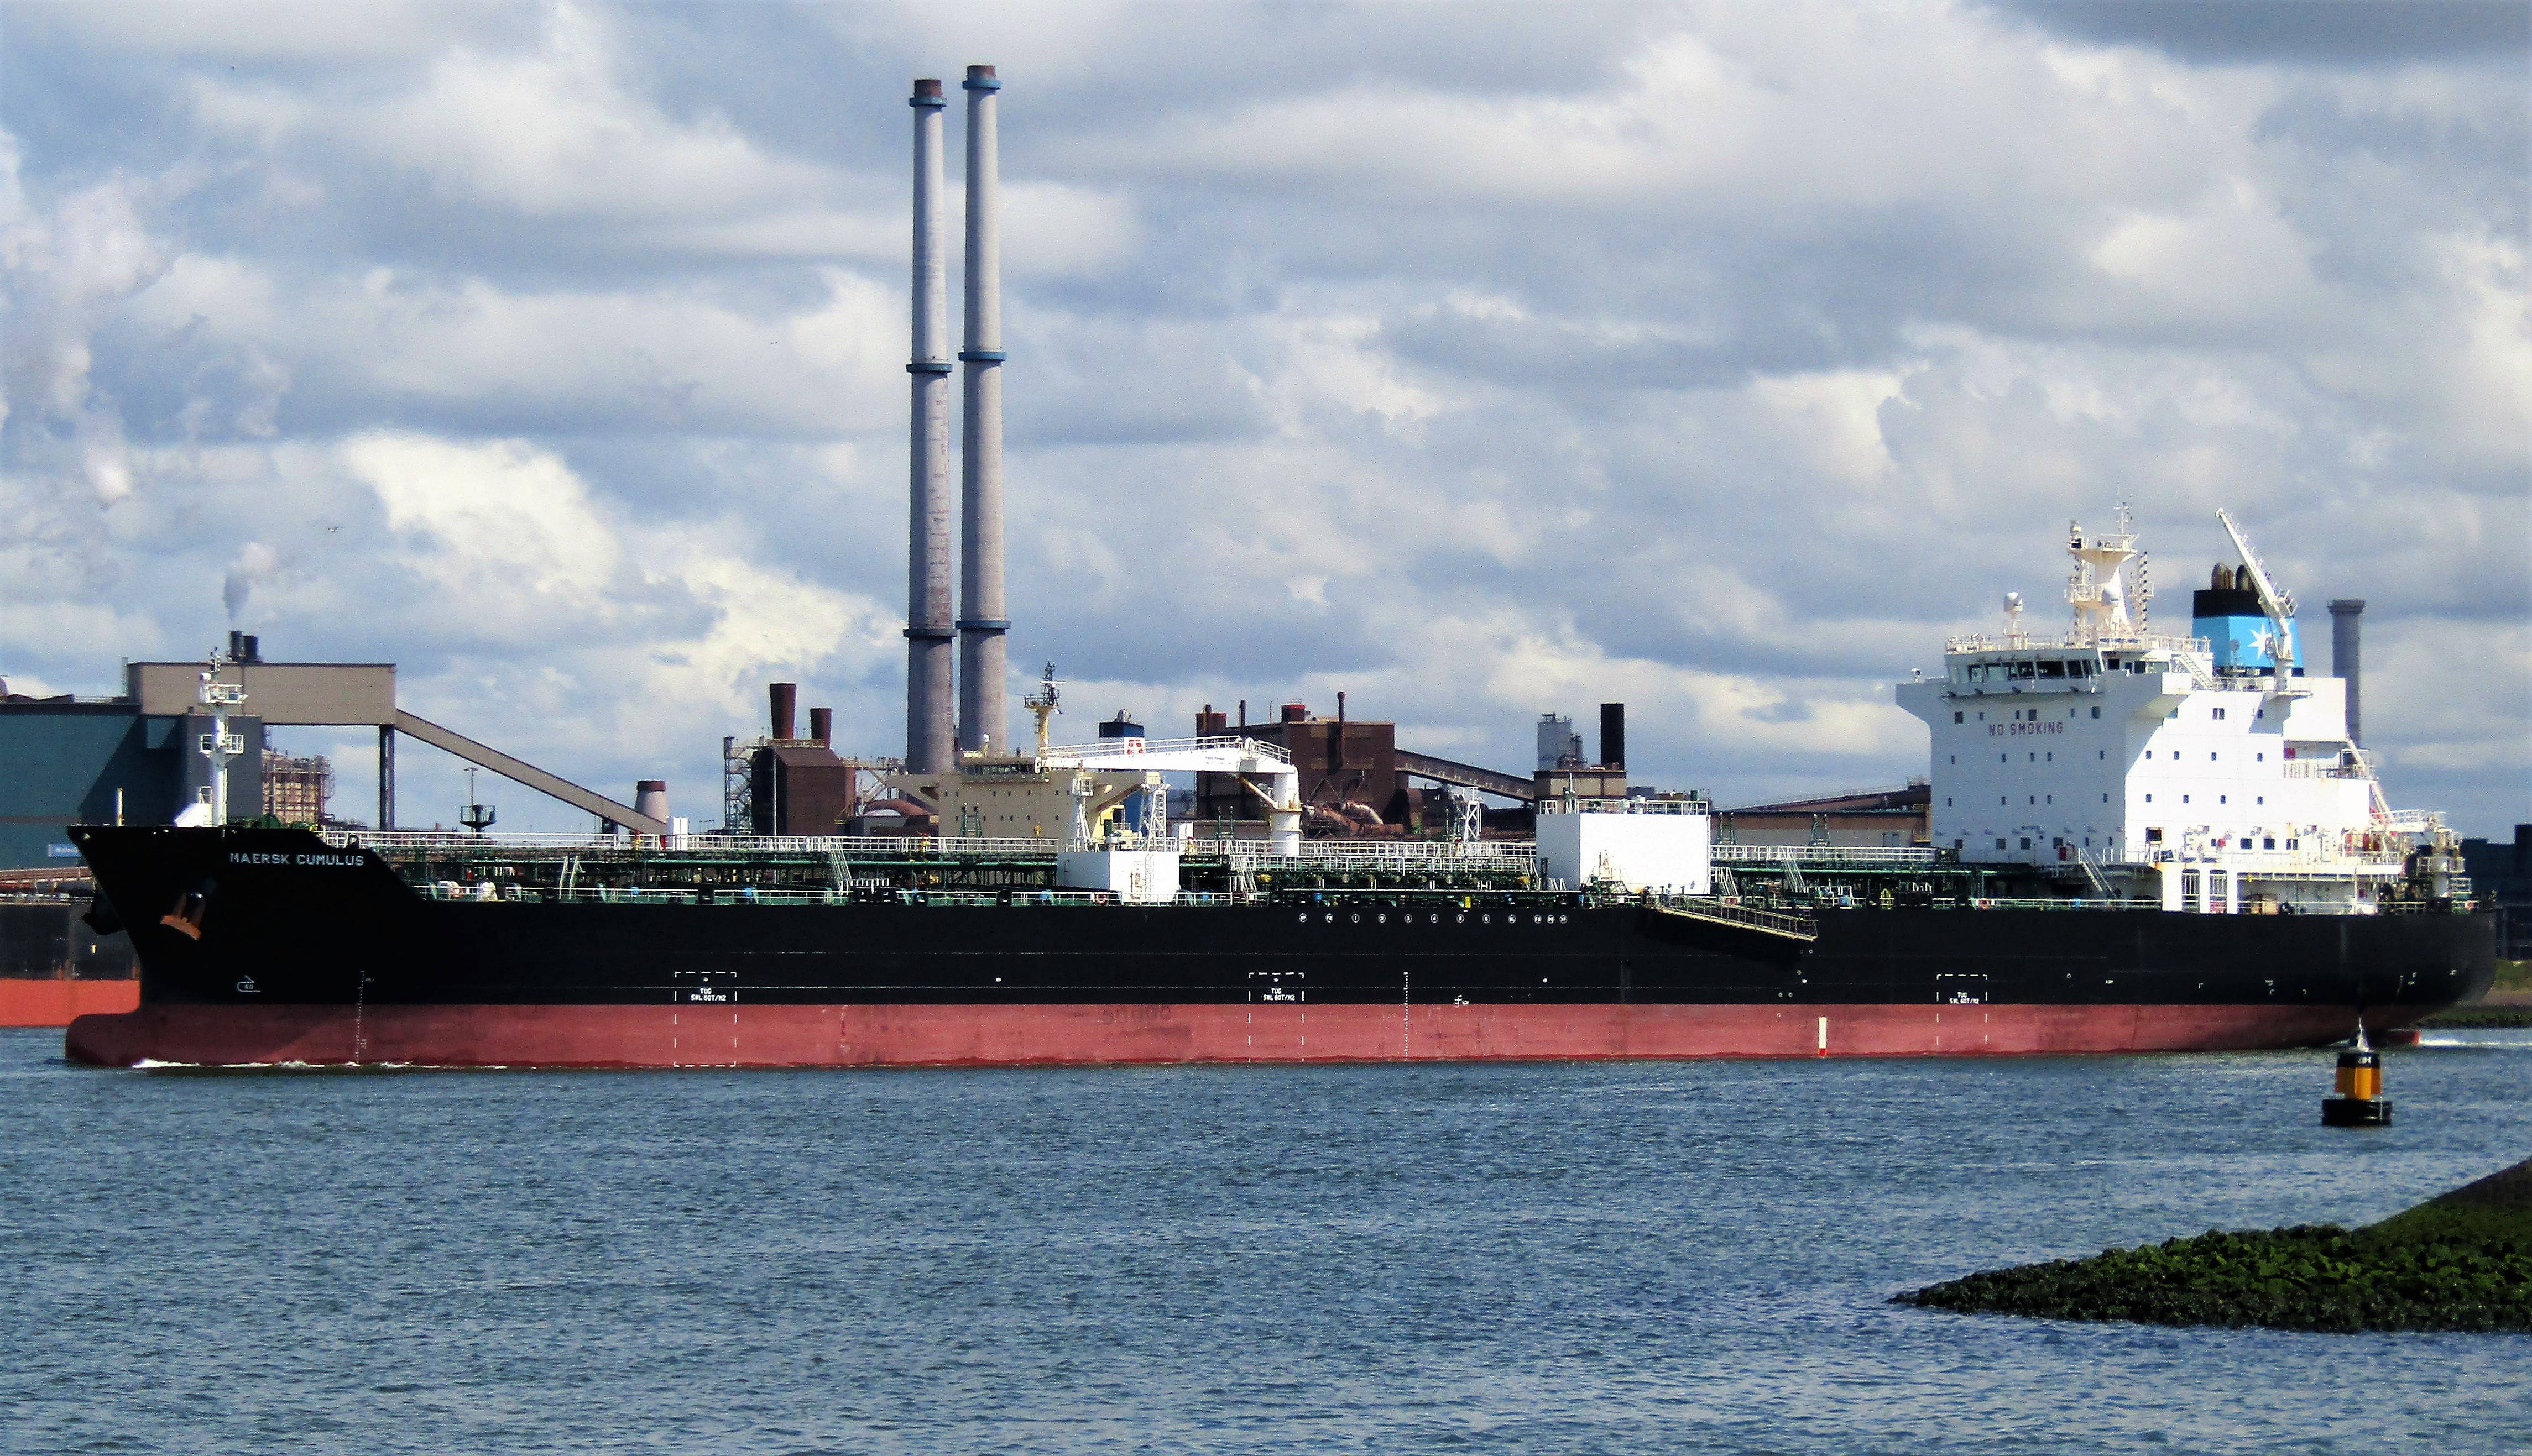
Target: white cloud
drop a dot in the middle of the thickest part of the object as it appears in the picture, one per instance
(1476, 362)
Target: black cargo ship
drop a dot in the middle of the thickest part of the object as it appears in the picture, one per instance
(268, 946)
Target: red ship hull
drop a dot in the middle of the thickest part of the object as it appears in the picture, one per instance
(57, 1001)
(970, 1035)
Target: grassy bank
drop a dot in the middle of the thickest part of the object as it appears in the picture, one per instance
(2461, 1261)
(2509, 1002)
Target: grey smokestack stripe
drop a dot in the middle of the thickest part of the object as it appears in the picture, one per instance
(927, 691)
(984, 617)
(2347, 659)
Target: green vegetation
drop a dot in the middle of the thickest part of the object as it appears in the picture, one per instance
(2461, 1261)
(2509, 1002)
(2479, 1018)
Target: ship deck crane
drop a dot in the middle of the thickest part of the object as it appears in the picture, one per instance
(1247, 759)
(2279, 605)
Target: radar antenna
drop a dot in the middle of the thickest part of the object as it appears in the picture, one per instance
(476, 815)
(1044, 702)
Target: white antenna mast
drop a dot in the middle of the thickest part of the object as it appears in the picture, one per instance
(219, 746)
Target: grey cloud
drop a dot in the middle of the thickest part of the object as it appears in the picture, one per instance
(2338, 33)
(1737, 421)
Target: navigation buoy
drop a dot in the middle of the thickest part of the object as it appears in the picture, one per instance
(2359, 1101)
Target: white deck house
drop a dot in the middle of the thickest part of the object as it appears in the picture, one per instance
(2225, 773)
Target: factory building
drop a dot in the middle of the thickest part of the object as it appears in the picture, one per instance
(788, 784)
(2500, 878)
(1874, 819)
(1564, 772)
(138, 756)
(105, 761)
(1350, 778)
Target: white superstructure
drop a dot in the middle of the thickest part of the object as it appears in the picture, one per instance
(2208, 768)
(1637, 846)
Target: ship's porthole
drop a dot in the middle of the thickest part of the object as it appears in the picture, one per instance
(1383, 918)
(1463, 919)
(1354, 919)
(1485, 919)
(1306, 917)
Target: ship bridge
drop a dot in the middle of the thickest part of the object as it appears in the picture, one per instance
(2208, 767)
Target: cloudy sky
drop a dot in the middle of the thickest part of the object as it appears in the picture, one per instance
(1476, 360)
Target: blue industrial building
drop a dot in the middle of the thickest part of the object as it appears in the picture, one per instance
(66, 761)
(140, 757)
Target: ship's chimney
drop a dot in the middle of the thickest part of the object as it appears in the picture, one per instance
(984, 616)
(2346, 657)
(928, 633)
(1613, 735)
(784, 698)
(822, 726)
(651, 797)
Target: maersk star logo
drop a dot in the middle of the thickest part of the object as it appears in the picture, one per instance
(2264, 642)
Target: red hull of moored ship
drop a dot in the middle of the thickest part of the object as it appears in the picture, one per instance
(967, 1035)
(57, 1001)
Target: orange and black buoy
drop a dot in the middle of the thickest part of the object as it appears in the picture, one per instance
(2359, 1101)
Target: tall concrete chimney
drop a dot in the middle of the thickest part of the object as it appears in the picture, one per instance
(2346, 657)
(927, 705)
(984, 617)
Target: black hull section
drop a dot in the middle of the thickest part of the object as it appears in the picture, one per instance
(249, 918)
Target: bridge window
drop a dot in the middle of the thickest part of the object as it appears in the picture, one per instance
(2219, 714)
(1999, 844)
(1956, 718)
(2154, 836)
(2097, 712)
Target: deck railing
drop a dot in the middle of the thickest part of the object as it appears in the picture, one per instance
(1826, 856)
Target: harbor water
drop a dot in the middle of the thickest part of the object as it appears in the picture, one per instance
(1675, 1256)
